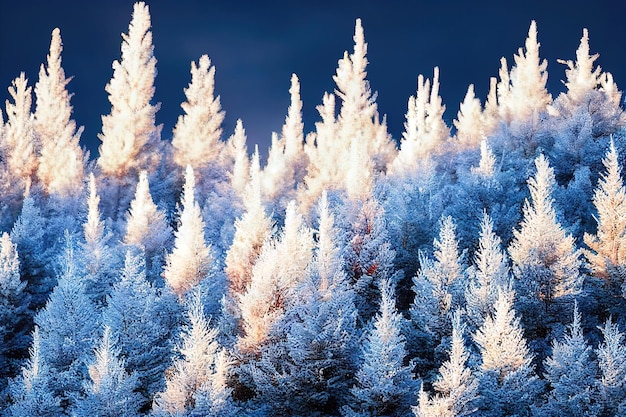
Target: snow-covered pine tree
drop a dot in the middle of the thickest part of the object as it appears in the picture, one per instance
(469, 121)
(489, 272)
(61, 160)
(14, 315)
(31, 394)
(286, 161)
(190, 259)
(309, 371)
(28, 235)
(457, 388)
(368, 257)
(611, 383)
(607, 247)
(145, 320)
(69, 326)
(251, 231)
(130, 139)
(110, 390)
(425, 131)
(546, 262)
(279, 269)
(198, 378)
(522, 93)
(587, 94)
(238, 151)
(97, 252)
(570, 372)
(19, 135)
(196, 136)
(384, 384)
(147, 228)
(508, 384)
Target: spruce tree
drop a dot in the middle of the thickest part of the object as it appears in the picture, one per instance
(61, 160)
(190, 259)
(508, 384)
(110, 391)
(196, 136)
(384, 384)
(31, 394)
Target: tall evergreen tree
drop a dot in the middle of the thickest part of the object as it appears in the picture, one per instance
(508, 384)
(190, 260)
(145, 320)
(110, 389)
(68, 326)
(571, 372)
(97, 251)
(19, 136)
(309, 371)
(489, 272)
(201, 367)
(130, 139)
(522, 93)
(61, 160)
(32, 392)
(14, 315)
(546, 262)
(425, 131)
(147, 228)
(196, 136)
(607, 248)
(384, 384)
(456, 386)
(611, 356)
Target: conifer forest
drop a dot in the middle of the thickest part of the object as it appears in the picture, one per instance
(469, 269)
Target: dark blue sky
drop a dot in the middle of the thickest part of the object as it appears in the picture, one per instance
(255, 47)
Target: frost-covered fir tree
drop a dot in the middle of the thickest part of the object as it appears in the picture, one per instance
(425, 131)
(457, 388)
(546, 262)
(14, 315)
(31, 394)
(368, 257)
(96, 250)
(68, 326)
(19, 135)
(358, 115)
(489, 272)
(570, 372)
(522, 93)
(590, 97)
(190, 259)
(309, 371)
(236, 144)
(61, 160)
(469, 123)
(145, 320)
(110, 390)
(279, 269)
(147, 228)
(251, 231)
(28, 235)
(611, 383)
(508, 384)
(384, 384)
(200, 372)
(196, 136)
(130, 139)
(358, 120)
(286, 162)
(607, 247)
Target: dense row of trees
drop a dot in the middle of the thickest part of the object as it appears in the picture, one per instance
(478, 269)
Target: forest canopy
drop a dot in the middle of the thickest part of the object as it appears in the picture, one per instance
(471, 269)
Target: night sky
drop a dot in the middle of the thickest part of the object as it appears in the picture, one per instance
(256, 46)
